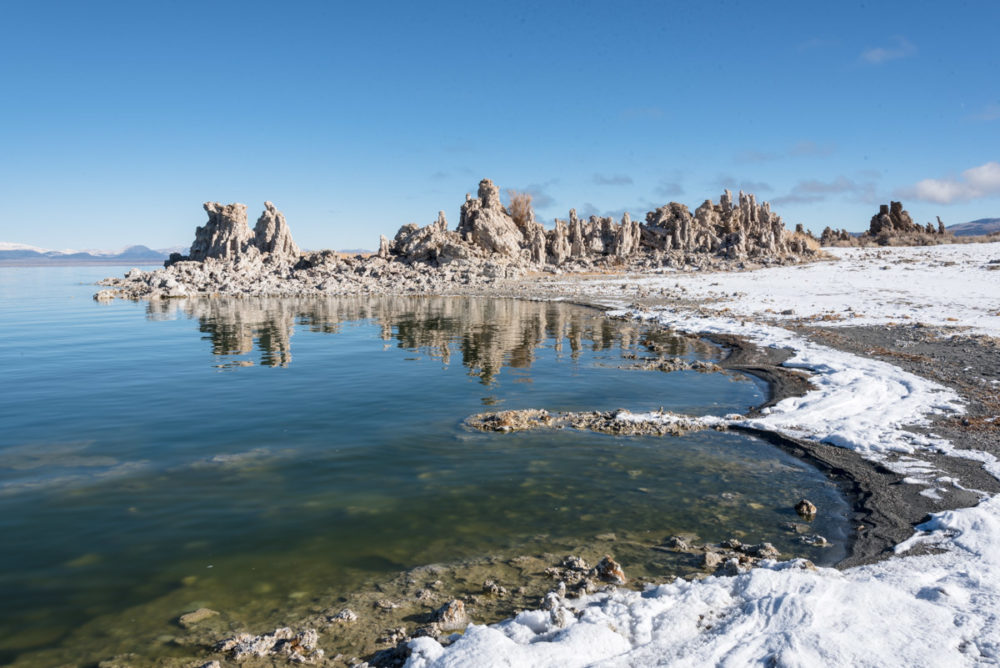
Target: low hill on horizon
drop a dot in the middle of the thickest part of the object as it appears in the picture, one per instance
(12, 253)
(975, 227)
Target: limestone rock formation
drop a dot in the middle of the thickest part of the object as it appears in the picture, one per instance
(489, 245)
(225, 236)
(892, 219)
(272, 236)
(744, 230)
(433, 243)
(557, 243)
(485, 222)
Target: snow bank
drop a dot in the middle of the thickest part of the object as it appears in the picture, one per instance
(939, 609)
(936, 285)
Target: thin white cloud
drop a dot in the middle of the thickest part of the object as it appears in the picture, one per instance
(757, 156)
(540, 197)
(799, 149)
(810, 191)
(669, 189)
(900, 47)
(990, 113)
(974, 183)
(746, 185)
(612, 180)
(806, 147)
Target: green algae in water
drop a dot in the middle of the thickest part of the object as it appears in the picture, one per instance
(268, 458)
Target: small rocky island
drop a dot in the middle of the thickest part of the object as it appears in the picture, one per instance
(491, 243)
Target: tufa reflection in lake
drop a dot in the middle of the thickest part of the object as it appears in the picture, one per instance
(488, 333)
(334, 469)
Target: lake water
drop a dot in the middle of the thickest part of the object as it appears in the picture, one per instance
(257, 455)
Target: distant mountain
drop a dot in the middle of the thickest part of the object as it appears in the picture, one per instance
(11, 253)
(981, 226)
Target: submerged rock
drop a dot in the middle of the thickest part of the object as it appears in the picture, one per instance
(190, 619)
(451, 616)
(609, 570)
(296, 647)
(806, 509)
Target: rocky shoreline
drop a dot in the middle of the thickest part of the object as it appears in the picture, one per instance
(493, 254)
(492, 244)
(373, 625)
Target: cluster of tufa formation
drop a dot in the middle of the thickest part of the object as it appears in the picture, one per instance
(227, 235)
(491, 243)
(892, 225)
(733, 230)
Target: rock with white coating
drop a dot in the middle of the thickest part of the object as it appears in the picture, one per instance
(451, 616)
(272, 236)
(225, 236)
(609, 570)
(486, 223)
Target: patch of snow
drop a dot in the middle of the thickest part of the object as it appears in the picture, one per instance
(933, 609)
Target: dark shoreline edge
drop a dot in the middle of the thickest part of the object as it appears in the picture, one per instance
(886, 510)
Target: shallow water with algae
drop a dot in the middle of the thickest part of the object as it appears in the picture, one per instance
(273, 458)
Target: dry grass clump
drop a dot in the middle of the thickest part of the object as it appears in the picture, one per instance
(810, 241)
(520, 207)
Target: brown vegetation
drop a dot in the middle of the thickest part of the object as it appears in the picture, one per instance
(520, 208)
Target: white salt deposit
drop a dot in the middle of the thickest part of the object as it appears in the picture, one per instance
(940, 609)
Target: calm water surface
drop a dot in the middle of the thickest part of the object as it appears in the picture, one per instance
(248, 450)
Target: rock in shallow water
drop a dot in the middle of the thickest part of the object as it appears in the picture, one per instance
(806, 509)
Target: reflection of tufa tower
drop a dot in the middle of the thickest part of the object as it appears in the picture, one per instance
(490, 334)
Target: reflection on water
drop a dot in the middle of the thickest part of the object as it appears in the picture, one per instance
(165, 486)
(488, 333)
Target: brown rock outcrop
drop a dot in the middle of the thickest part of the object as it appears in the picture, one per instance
(892, 219)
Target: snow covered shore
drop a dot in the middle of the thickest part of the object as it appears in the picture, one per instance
(932, 609)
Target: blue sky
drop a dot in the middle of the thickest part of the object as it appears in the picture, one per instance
(119, 119)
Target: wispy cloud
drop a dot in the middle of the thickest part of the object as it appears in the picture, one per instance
(540, 197)
(990, 112)
(746, 185)
(811, 191)
(797, 150)
(973, 183)
(669, 189)
(439, 176)
(757, 156)
(806, 147)
(794, 198)
(612, 180)
(899, 47)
